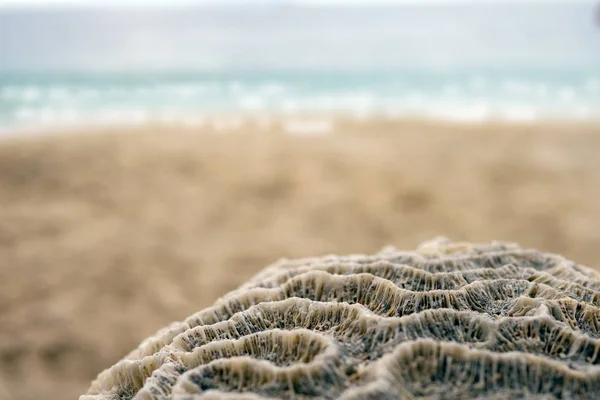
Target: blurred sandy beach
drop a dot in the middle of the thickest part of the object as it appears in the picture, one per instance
(108, 236)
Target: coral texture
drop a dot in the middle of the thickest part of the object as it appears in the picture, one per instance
(448, 321)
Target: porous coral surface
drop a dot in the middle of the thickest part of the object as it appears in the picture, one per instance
(447, 321)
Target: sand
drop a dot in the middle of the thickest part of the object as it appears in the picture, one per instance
(108, 236)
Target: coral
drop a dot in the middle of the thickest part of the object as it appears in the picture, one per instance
(448, 321)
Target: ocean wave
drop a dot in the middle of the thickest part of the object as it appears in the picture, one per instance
(474, 97)
(468, 112)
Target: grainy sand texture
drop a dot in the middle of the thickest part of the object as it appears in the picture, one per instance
(109, 235)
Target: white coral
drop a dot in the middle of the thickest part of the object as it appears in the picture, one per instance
(448, 321)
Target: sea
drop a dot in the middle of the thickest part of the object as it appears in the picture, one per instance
(517, 61)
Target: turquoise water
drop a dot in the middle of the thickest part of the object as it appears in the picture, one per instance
(517, 62)
(30, 99)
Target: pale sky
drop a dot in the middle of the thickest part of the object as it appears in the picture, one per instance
(321, 38)
(80, 3)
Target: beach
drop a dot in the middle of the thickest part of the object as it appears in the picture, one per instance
(108, 234)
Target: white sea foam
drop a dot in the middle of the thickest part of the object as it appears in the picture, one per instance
(30, 94)
(252, 102)
(272, 89)
(47, 115)
(168, 116)
(466, 113)
(324, 102)
(567, 94)
(468, 98)
(290, 106)
(359, 102)
(415, 99)
(583, 112)
(134, 116)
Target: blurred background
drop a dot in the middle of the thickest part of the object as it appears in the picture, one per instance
(155, 154)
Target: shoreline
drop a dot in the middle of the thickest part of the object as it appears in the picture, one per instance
(294, 124)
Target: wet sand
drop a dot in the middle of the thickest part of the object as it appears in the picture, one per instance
(108, 236)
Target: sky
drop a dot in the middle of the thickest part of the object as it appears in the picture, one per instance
(79, 3)
(318, 38)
